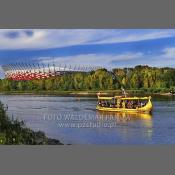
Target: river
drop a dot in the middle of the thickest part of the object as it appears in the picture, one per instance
(74, 120)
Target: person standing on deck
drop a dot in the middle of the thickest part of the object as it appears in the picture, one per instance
(123, 92)
(98, 94)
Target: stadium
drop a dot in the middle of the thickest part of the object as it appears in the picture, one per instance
(26, 71)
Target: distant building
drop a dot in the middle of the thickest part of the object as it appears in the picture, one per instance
(23, 71)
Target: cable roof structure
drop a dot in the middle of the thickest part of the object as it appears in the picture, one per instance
(28, 71)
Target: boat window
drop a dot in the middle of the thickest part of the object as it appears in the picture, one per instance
(135, 103)
(119, 103)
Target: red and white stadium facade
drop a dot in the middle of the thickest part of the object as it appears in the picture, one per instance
(23, 71)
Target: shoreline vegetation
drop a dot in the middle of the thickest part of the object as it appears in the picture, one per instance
(14, 132)
(87, 93)
(137, 80)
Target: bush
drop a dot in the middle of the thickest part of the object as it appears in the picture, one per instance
(14, 132)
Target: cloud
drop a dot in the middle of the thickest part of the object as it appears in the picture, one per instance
(19, 38)
(127, 59)
(43, 38)
(103, 60)
(55, 38)
(169, 52)
(137, 37)
(165, 59)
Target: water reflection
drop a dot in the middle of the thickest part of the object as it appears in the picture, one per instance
(133, 121)
(122, 116)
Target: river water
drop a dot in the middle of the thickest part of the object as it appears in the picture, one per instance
(74, 120)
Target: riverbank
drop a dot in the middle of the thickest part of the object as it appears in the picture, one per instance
(14, 132)
(88, 93)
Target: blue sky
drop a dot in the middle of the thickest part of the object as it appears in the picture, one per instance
(99, 47)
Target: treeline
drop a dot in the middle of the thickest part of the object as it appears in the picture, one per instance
(13, 131)
(140, 77)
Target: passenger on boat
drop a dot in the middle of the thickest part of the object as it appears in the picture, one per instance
(112, 104)
(123, 104)
(129, 104)
(136, 104)
(143, 104)
(107, 104)
(99, 103)
(118, 103)
(102, 104)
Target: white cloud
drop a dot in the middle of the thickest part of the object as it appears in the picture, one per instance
(169, 52)
(49, 38)
(166, 58)
(137, 37)
(23, 40)
(46, 38)
(93, 59)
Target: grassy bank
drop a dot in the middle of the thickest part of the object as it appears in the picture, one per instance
(14, 132)
(88, 93)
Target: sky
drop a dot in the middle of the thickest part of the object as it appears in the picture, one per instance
(95, 47)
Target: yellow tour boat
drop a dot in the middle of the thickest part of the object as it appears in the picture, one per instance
(125, 104)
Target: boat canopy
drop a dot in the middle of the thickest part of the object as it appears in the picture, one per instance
(135, 98)
(106, 98)
(124, 98)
